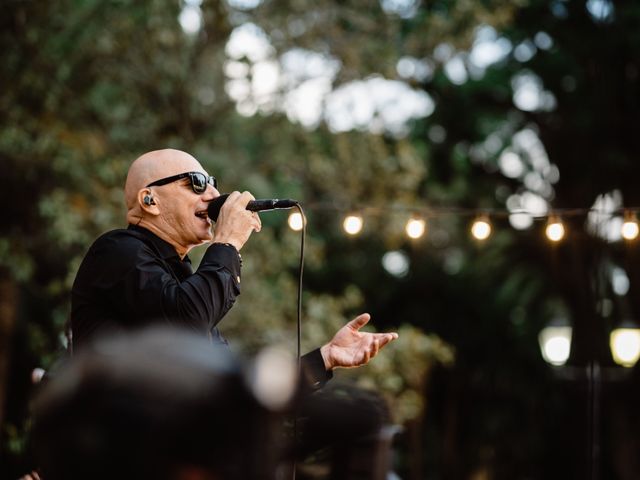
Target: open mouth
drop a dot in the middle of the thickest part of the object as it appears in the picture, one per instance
(202, 214)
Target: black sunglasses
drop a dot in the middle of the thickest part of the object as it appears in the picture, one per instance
(199, 181)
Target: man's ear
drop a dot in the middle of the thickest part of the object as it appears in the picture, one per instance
(147, 202)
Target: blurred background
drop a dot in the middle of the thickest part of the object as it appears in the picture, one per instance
(524, 113)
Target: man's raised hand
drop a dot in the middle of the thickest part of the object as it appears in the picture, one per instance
(235, 223)
(352, 348)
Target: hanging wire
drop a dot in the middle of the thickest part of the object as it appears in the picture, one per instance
(299, 324)
(432, 212)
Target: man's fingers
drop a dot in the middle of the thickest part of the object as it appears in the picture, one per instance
(375, 347)
(246, 197)
(230, 201)
(386, 338)
(241, 199)
(360, 321)
(232, 198)
(257, 226)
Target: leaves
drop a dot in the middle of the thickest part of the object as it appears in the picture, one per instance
(87, 86)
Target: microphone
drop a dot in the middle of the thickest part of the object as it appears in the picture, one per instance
(253, 205)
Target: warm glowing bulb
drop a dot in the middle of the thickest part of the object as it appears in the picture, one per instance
(481, 229)
(415, 227)
(555, 343)
(630, 230)
(557, 350)
(555, 231)
(353, 224)
(625, 346)
(295, 221)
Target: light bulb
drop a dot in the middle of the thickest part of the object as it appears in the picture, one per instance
(481, 229)
(295, 221)
(353, 224)
(555, 230)
(555, 344)
(625, 346)
(415, 228)
(629, 228)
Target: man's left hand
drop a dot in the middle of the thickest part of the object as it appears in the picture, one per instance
(352, 348)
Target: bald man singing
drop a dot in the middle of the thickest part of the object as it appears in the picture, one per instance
(142, 275)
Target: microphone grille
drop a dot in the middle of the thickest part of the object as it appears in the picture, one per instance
(214, 207)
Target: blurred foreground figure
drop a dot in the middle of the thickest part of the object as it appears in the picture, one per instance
(161, 404)
(165, 404)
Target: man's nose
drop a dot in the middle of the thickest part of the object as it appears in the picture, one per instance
(210, 194)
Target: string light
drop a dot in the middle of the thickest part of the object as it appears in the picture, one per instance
(295, 221)
(353, 224)
(415, 228)
(481, 228)
(555, 344)
(629, 228)
(555, 229)
(625, 346)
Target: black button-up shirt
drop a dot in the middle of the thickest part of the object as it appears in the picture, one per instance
(132, 278)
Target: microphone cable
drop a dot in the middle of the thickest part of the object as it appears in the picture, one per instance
(300, 272)
(299, 327)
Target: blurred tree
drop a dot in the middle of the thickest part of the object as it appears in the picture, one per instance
(87, 87)
(389, 106)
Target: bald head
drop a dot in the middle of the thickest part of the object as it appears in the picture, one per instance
(153, 166)
(173, 210)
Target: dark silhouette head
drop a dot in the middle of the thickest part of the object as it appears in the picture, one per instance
(160, 404)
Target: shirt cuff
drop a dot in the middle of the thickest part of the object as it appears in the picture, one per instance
(226, 255)
(314, 373)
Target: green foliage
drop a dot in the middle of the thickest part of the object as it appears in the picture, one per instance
(89, 85)
(404, 387)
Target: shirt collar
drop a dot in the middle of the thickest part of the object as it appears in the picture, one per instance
(165, 249)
